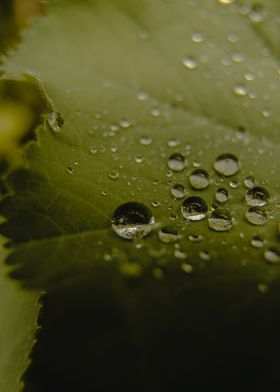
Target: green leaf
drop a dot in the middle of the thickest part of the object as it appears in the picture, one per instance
(122, 74)
(19, 312)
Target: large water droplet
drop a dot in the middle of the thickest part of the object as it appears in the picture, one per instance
(178, 191)
(55, 121)
(256, 216)
(272, 255)
(220, 220)
(132, 220)
(226, 165)
(222, 195)
(194, 208)
(257, 197)
(168, 234)
(176, 162)
(199, 179)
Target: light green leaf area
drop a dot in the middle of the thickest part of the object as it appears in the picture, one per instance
(137, 81)
(18, 313)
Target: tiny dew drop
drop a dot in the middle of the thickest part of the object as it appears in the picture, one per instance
(196, 237)
(189, 62)
(256, 216)
(249, 182)
(178, 191)
(272, 255)
(199, 179)
(55, 121)
(145, 140)
(197, 37)
(226, 165)
(194, 208)
(234, 184)
(257, 197)
(132, 220)
(139, 159)
(257, 242)
(142, 95)
(176, 162)
(220, 220)
(69, 170)
(173, 142)
(222, 195)
(168, 234)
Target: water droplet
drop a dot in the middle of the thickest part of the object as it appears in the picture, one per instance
(226, 165)
(155, 112)
(173, 143)
(178, 191)
(176, 162)
(204, 255)
(187, 268)
(222, 195)
(180, 255)
(132, 220)
(168, 234)
(145, 140)
(155, 203)
(70, 170)
(55, 121)
(257, 242)
(139, 159)
(233, 37)
(226, 2)
(272, 255)
(220, 220)
(189, 62)
(144, 34)
(249, 182)
(262, 288)
(196, 237)
(199, 179)
(142, 95)
(257, 197)
(234, 184)
(238, 57)
(113, 175)
(197, 37)
(256, 216)
(194, 208)
(124, 123)
(257, 14)
(240, 90)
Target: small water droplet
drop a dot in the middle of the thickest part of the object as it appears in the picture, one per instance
(144, 34)
(262, 288)
(197, 37)
(187, 268)
(155, 203)
(139, 159)
(194, 208)
(257, 14)
(142, 95)
(132, 220)
(257, 242)
(189, 62)
(257, 197)
(176, 162)
(272, 255)
(220, 220)
(70, 170)
(145, 140)
(173, 143)
(226, 2)
(168, 234)
(196, 237)
(180, 255)
(249, 182)
(199, 179)
(173, 215)
(204, 255)
(55, 121)
(113, 175)
(240, 90)
(226, 165)
(256, 216)
(234, 184)
(155, 112)
(238, 57)
(222, 195)
(178, 191)
(124, 123)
